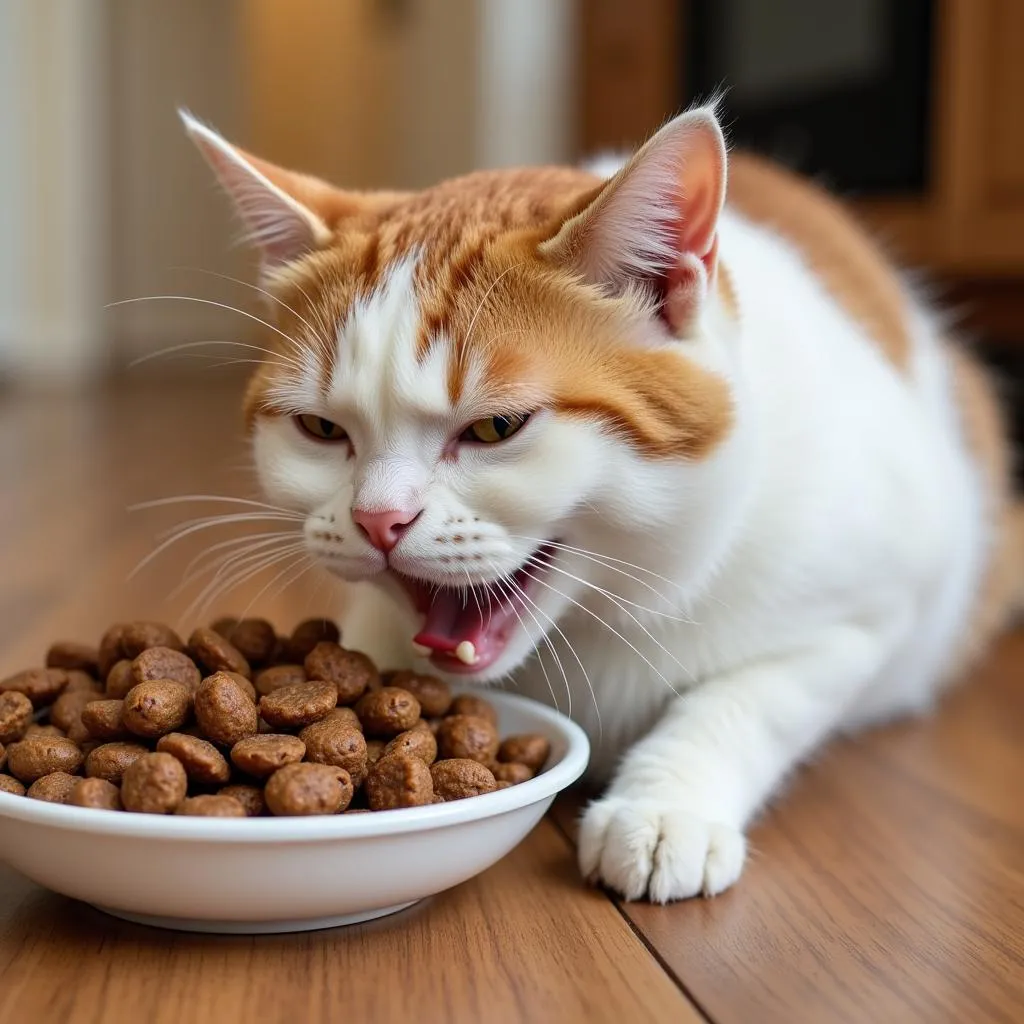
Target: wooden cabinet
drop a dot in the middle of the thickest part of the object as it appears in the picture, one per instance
(969, 223)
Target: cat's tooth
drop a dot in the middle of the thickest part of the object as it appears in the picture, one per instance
(466, 653)
(420, 650)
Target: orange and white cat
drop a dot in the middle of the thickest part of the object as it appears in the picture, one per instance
(677, 445)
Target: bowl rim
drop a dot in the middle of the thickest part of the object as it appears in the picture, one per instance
(326, 827)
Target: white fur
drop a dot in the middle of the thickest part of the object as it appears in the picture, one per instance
(720, 619)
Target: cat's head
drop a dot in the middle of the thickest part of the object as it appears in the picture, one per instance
(487, 394)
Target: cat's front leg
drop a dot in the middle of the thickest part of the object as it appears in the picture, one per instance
(671, 824)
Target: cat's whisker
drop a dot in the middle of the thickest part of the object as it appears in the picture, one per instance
(250, 543)
(305, 562)
(178, 499)
(276, 358)
(607, 626)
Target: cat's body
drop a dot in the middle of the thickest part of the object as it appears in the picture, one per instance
(765, 500)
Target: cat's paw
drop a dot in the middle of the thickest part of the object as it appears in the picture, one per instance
(646, 847)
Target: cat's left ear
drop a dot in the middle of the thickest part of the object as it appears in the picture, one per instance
(655, 223)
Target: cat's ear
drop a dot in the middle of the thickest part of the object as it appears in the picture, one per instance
(655, 223)
(285, 214)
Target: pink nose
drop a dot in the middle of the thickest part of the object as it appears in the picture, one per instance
(384, 529)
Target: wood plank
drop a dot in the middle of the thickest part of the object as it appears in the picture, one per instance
(887, 884)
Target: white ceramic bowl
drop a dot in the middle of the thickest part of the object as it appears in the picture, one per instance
(285, 874)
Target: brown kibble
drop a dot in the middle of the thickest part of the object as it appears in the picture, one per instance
(78, 681)
(96, 793)
(268, 680)
(308, 789)
(110, 651)
(42, 686)
(120, 679)
(388, 711)
(165, 663)
(202, 761)
(224, 711)
(501, 784)
(154, 784)
(55, 788)
(346, 716)
(291, 707)
(512, 772)
(215, 654)
(246, 686)
(399, 780)
(434, 695)
(3, 756)
(68, 707)
(417, 742)
(224, 625)
(15, 716)
(43, 730)
(374, 750)
(33, 758)
(352, 672)
(528, 748)
(68, 654)
(308, 634)
(103, 719)
(254, 639)
(261, 756)
(211, 805)
(466, 736)
(141, 636)
(109, 760)
(9, 784)
(250, 797)
(477, 707)
(459, 778)
(157, 707)
(334, 741)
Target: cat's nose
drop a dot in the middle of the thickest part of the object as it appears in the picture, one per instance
(384, 529)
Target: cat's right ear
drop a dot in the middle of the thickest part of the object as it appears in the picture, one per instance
(286, 215)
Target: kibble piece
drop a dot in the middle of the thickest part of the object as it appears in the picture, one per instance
(270, 679)
(399, 780)
(153, 784)
(33, 758)
(308, 789)
(77, 680)
(247, 688)
(388, 711)
(308, 634)
(417, 742)
(501, 784)
(68, 654)
(434, 695)
(352, 672)
(224, 711)
(120, 679)
(291, 707)
(157, 707)
(261, 756)
(35, 729)
(346, 716)
(250, 797)
(458, 778)
(202, 761)
(255, 640)
(470, 704)
(42, 686)
(165, 663)
(141, 636)
(216, 654)
(104, 719)
(96, 793)
(68, 707)
(211, 805)
(110, 651)
(55, 788)
(374, 750)
(512, 772)
(334, 741)
(3, 756)
(466, 736)
(15, 716)
(224, 625)
(9, 784)
(109, 760)
(528, 748)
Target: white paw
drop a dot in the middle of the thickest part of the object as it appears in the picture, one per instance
(651, 848)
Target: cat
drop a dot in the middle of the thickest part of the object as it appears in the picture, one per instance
(675, 444)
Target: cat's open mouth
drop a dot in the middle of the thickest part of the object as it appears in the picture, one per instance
(468, 628)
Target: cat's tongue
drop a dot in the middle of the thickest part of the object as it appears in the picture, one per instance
(465, 633)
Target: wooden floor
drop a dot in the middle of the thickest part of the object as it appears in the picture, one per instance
(887, 885)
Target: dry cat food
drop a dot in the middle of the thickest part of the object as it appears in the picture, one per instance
(242, 722)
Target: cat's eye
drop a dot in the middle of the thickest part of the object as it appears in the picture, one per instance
(493, 429)
(320, 428)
